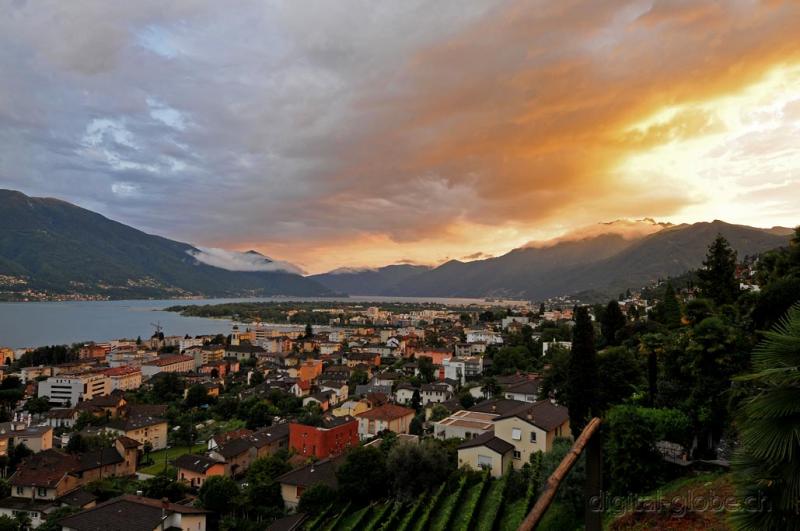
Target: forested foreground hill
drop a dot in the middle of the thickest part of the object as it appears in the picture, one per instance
(57, 247)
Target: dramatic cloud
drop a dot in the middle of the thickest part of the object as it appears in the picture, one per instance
(356, 133)
(235, 261)
(627, 228)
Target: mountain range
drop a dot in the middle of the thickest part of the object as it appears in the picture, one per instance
(603, 264)
(54, 246)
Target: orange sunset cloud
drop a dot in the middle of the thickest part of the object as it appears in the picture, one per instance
(431, 131)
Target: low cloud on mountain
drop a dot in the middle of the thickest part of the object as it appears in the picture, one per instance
(236, 261)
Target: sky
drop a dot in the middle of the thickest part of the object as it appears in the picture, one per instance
(361, 133)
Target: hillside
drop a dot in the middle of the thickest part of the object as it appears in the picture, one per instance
(604, 264)
(54, 246)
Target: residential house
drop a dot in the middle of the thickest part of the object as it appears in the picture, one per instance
(386, 417)
(43, 481)
(338, 388)
(236, 454)
(354, 359)
(435, 392)
(351, 408)
(405, 393)
(171, 363)
(363, 390)
(532, 428)
(16, 432)
(323, 400)
(464, 424)
(135, 513)
(223, 438)
(124, 378)
(526, 391)
(144, 429)
(62, 417)
(196, 469)
(267, 441)
(486, 452)
(294, 483)
(333, 437)
(243, 351)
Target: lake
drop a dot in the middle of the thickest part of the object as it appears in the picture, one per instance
(33, 324)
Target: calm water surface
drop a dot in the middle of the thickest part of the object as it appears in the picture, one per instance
(32, 324)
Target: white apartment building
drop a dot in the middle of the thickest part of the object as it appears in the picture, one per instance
(69, 389)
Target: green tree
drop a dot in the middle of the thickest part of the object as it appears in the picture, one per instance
(37, 406)
(164, 486)
(363, 476)
(316, 499)
(670, 311)
(613, 321)
(270, 467)
(196, 396)
(426, 368)
(582, 377)
(77, 444)
(620, 372)
(439, 412)
(218, 494)
(717, 278)
(416, 400)
(414, 468)
(767, 466)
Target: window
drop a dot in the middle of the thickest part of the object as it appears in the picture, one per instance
(20, 491)
(485, 461)
(516, 434)
(517, 454)
(41, 492)
(533, 436)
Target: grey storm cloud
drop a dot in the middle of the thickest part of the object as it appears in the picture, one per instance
(241, 123)
(200, 120)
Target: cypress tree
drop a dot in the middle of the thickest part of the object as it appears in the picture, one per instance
(613, 321)
(582, 384)
(717, 279)
(671, 310)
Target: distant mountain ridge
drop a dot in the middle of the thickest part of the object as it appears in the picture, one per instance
(54, 246)
(369, 281)
(607, 263)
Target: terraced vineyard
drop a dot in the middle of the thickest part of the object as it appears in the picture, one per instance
(469, 502)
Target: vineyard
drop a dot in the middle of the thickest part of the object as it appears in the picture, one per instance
(468, 501)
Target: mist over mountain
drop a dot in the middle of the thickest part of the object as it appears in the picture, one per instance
(604, 263)
(52, 245)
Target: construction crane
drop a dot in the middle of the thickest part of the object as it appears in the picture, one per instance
(158, 328)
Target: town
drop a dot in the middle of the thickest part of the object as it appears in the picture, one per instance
(273, 410)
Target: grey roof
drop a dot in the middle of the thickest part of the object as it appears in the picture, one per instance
(195, 463)
(323, 472)
(368, 388)
(542, 414)
(528, 387)
(126, 513)
(268, 435)
(499, 406)
(490, 441)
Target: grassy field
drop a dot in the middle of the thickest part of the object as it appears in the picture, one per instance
(171, 453)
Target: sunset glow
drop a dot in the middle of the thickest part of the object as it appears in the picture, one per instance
(428, 131)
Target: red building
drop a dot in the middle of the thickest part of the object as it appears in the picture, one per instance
(333, 437)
